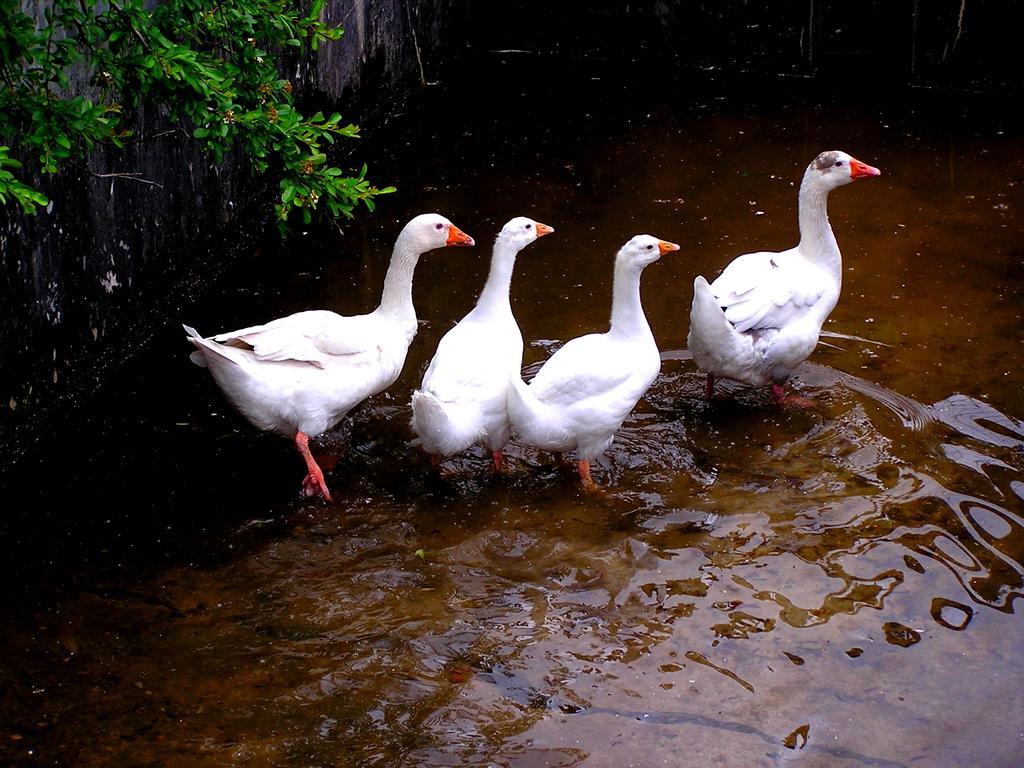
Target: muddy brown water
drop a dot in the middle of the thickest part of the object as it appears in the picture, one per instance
(756, 587)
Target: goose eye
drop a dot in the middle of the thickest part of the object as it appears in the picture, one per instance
(529, 225)
(439, 226)
(649, 247)
(839, 163)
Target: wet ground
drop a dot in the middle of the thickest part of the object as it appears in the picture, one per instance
(756, 587)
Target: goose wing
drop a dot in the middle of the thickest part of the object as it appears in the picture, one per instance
(767, 290)
(578, 371)
(318, 337)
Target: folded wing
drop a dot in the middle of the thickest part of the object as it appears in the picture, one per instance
(578, 371)
(766, 290)
(317, 337)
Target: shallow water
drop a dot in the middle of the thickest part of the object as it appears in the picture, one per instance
(755, 587)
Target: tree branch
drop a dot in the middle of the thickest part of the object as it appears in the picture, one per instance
(133, 176)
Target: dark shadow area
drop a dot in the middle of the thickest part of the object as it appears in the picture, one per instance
(870, 46)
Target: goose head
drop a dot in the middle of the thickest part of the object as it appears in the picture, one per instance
(431, 230)
(643, 250)
(521, 231)
(835, 168)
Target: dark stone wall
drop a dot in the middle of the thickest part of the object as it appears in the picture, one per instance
(84, 283)
(961, 44)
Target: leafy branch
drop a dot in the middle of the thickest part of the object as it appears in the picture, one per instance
(12, 189)
(208, 63)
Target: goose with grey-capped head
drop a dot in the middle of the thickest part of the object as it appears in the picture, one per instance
(762, 316)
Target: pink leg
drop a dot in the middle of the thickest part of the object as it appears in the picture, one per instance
(588, 481)
(313, 484)
(709, 387)
(792, 401)
(498, 461)
(779, 394)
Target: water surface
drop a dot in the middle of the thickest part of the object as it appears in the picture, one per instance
(755, 587)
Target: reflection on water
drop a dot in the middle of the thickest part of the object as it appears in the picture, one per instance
(835, 586)
(697, 608)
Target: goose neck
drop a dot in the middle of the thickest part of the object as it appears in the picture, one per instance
(396, 298)
(495, 294)
(817, 241)
(628, 317)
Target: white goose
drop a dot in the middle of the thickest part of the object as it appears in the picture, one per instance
(464, 395)
(586, 389)
(298, 376)
(761, 318)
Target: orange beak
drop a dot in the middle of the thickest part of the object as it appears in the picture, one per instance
(859, 170)
(457, 237)
(544, 229)
(664, 246)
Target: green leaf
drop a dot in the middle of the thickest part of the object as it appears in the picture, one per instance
(210, 66)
